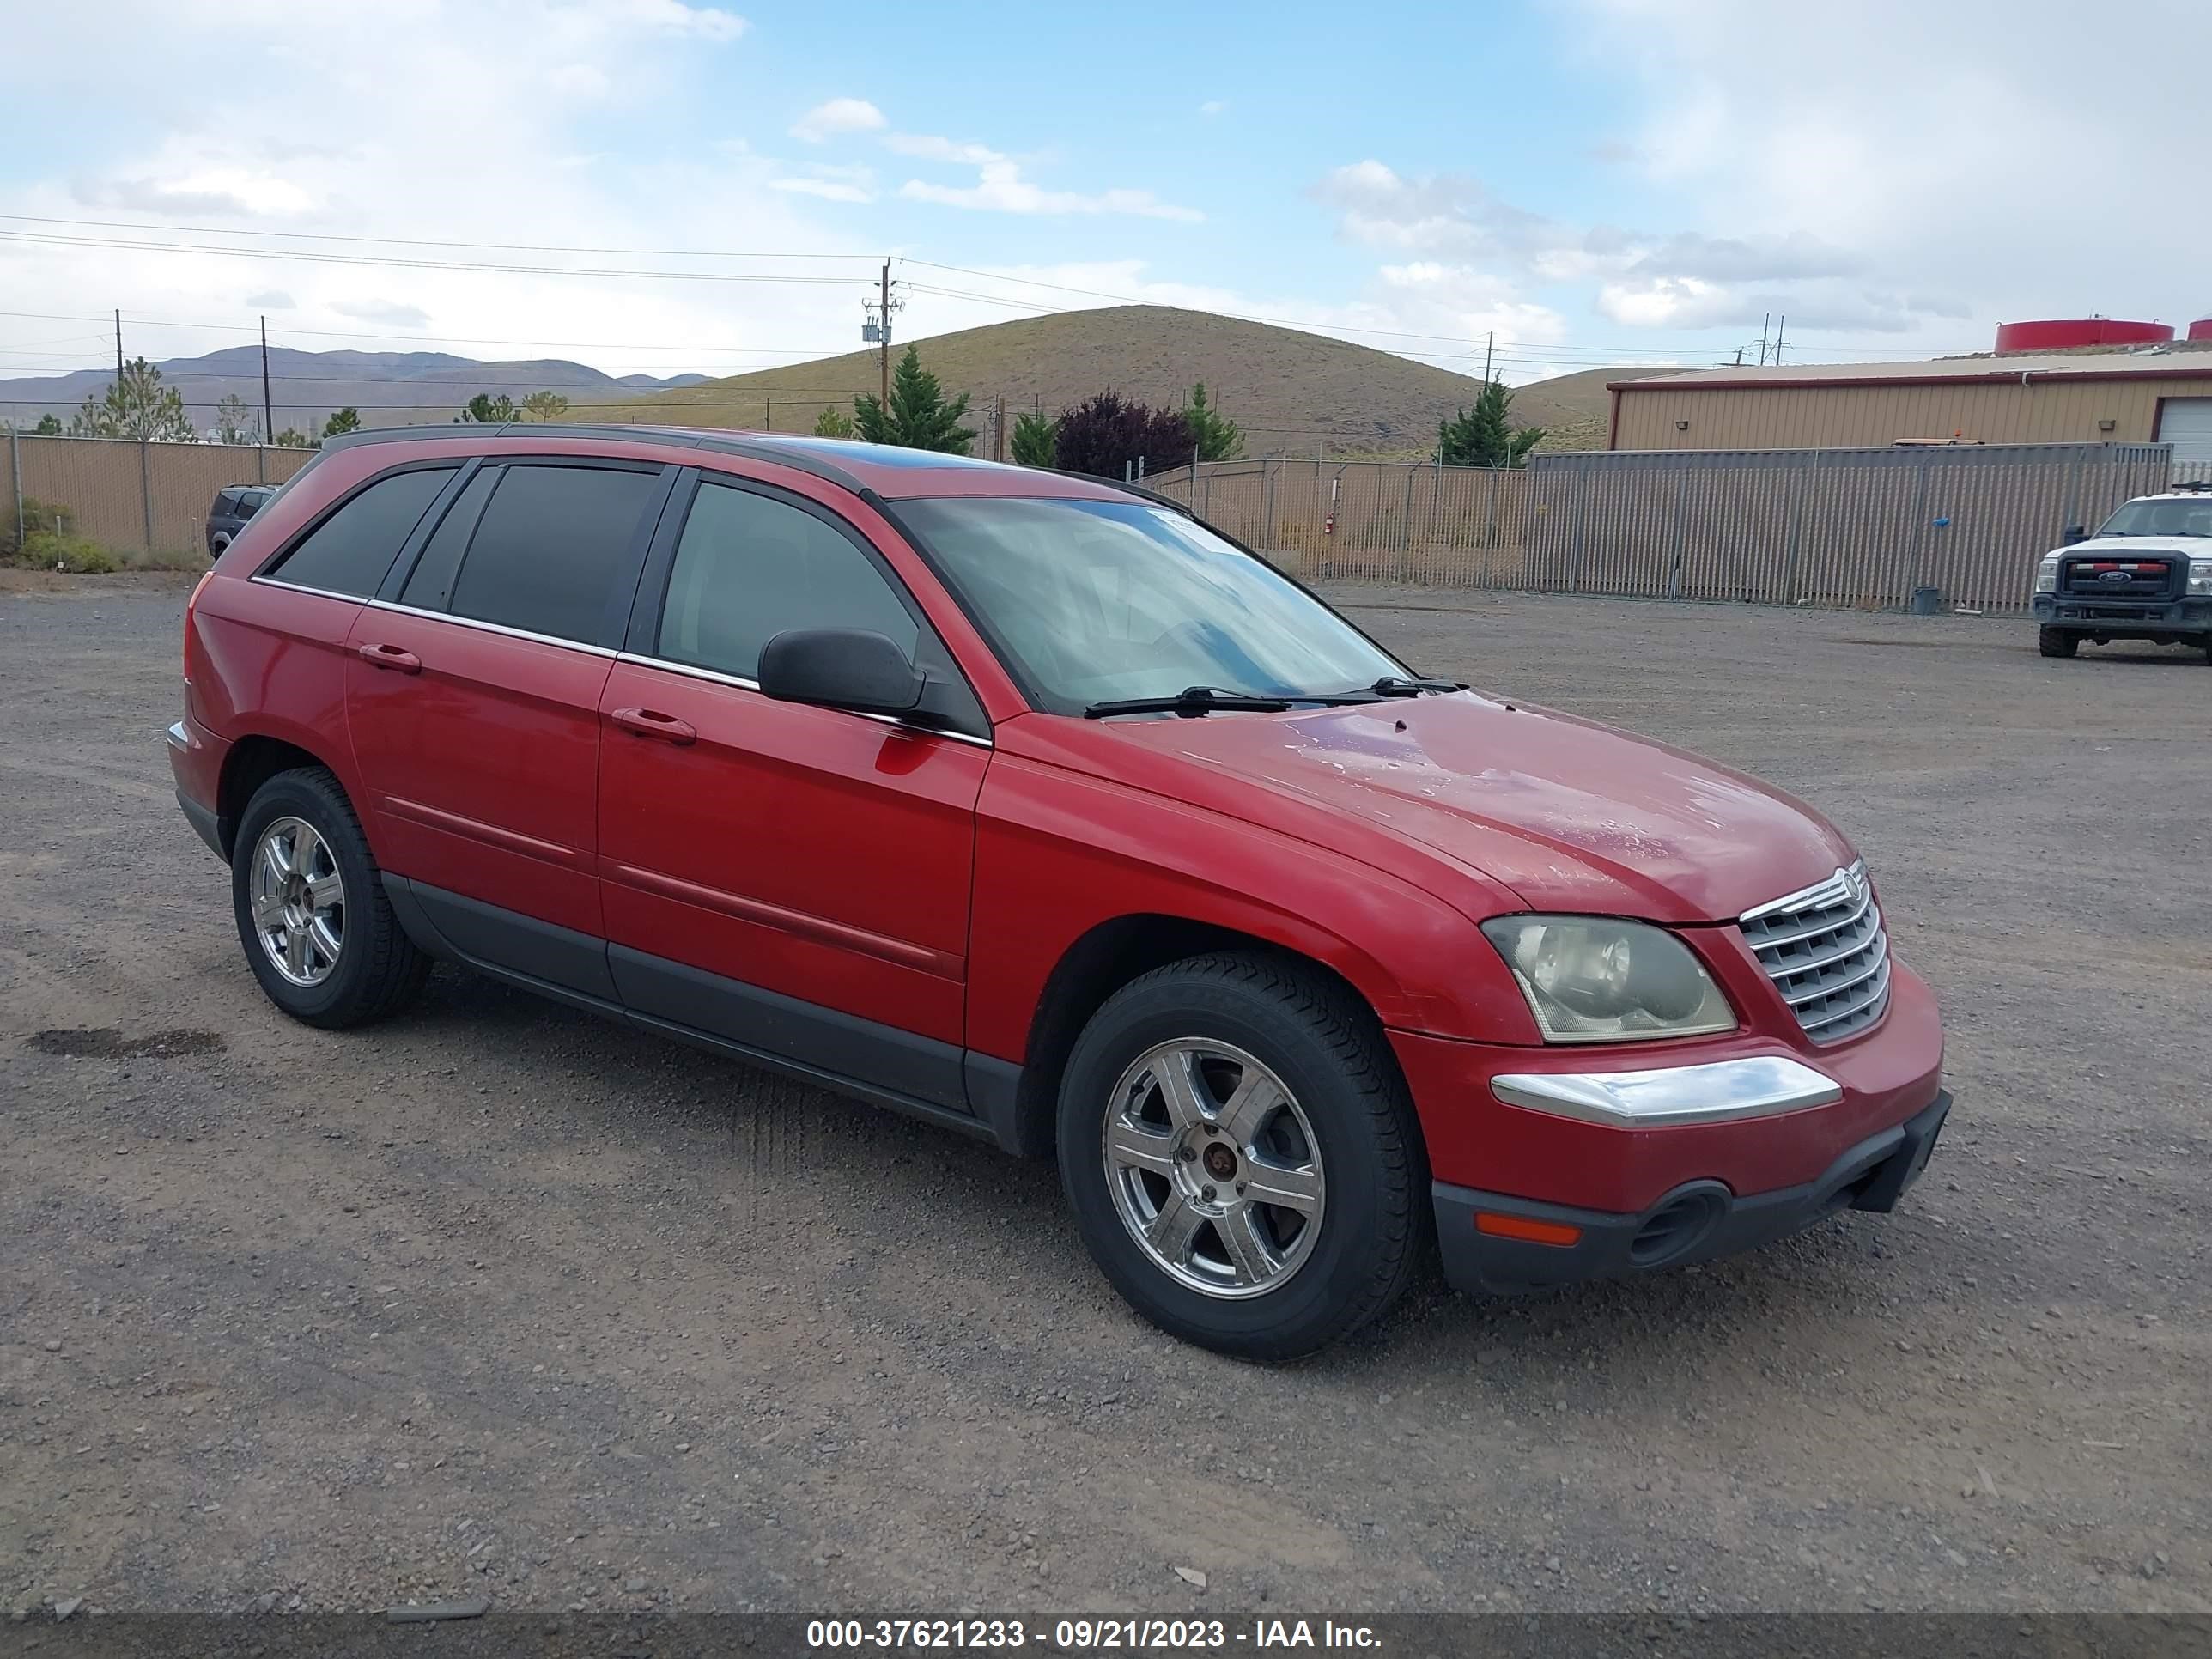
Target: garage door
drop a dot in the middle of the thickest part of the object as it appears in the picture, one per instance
(2186, 423)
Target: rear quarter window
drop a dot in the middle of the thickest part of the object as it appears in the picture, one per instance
(349, 552)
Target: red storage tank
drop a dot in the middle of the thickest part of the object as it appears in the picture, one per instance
(2072, 333)
(2201, 329)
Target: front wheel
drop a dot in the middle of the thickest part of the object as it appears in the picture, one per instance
(1242, 1158)
(319, 933)
(2057, 641)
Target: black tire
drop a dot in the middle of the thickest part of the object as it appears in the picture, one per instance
(2057, 641)
(378, 970)
(1376, 1222)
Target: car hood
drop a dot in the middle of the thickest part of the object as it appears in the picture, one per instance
(1569, 814)
(2119, 547)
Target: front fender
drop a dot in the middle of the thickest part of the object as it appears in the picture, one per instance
(1059, 853)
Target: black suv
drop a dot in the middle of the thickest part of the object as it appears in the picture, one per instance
(2146, 574)
(233, 508)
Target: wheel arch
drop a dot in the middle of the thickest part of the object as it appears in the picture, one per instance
(1108, 956)
(251, 761)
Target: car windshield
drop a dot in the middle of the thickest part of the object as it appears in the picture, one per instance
(2161, 518)
(1099, 601)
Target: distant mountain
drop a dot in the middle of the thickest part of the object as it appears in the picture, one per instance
(1292, 392)
(390, 388)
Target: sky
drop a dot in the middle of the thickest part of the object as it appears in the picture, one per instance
(1565, 184)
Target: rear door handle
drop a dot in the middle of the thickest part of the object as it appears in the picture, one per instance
(390, 656)
(644, 723)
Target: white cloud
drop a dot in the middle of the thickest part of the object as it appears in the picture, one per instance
(271, 299)
(390, 314)
(1001, 188)
(829, 183)
(668, 17)
(384, 83)
(1681, 279)
(224, 191)
(1211, 106)
(927, 148)
(1972, 176)
(840, 115)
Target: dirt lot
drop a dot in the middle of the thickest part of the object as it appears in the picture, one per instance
(501, 1300)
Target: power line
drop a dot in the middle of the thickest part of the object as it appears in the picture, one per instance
(40, 239)
(417, 241)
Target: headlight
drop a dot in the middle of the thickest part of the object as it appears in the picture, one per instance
(2046, 574)
(2200, 574)
(1591, 979)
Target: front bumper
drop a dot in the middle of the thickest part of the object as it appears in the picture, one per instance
(2095, 616)
(1499, 1244)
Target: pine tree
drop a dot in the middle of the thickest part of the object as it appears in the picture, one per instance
(833, 423)
(136, 405)
(918, 417)
(1218, 437)
(1034, 439)
(1486, 436)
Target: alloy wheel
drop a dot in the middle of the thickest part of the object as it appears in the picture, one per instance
(298, 902)
(1214, 1168)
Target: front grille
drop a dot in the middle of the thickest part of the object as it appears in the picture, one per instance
(2118, 578)
(1825, 951)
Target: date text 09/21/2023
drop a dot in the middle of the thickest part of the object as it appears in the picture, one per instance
(1101, 1635)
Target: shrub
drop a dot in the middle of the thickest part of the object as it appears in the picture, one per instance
(49, 550)
(1108, 436)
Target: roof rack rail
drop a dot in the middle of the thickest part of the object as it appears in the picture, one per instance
(2191, 487)
(773, 454)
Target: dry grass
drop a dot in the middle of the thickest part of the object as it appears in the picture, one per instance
(1291, 391)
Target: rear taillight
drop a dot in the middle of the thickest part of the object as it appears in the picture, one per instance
(199, 588)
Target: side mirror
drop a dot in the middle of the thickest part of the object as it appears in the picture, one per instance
(840, 668)
(2076, 533)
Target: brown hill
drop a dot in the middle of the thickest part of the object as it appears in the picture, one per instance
(1290, 391)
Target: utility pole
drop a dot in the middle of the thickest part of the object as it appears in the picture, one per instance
(1489, 341)
(999, 430)
(883, 313)
(1763, 322)
(268, 408)
(1778, 327)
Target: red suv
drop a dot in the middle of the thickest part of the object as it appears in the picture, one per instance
(1033, 806)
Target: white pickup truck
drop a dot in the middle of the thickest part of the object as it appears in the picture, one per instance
(2145, 574)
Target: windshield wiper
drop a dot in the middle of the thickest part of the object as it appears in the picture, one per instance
(1397, 685)
(1191, 700)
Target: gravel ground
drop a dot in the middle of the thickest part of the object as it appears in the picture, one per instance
(500, 1300)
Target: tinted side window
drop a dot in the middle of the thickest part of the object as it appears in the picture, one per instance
(249, 502)
(349, 552)
(548, 545)
(749, 566)
(430, 585)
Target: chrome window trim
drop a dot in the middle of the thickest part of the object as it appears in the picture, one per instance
(478, 622)
(715, 676)
(1715, 1091)
(302, 587)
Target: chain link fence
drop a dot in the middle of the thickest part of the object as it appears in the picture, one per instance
(1851, 527)
(137, 500)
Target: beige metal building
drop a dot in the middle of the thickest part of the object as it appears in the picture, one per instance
(2088, 396)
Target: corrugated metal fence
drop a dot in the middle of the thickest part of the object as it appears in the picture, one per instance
(130, 496)
(1854, 527)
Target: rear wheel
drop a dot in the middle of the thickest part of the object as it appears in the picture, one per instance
(2057, 641)
(319, 932)
(1242, 1158)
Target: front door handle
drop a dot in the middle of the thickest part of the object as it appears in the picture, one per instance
(646, 723)
(391, 656)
